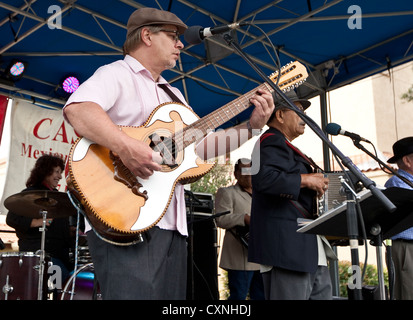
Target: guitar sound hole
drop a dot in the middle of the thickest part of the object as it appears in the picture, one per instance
(167, 148)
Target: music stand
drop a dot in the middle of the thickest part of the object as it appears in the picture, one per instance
(378, 222)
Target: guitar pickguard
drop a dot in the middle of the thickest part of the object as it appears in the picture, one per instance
(159, 188)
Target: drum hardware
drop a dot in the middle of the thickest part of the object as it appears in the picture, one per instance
(31, 203)
(19, 272)
(7, 288)
(76, 247)
(42, 255)
(44, 204)
(76, 204)
(80, 294)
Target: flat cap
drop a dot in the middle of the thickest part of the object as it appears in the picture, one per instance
(151, 16)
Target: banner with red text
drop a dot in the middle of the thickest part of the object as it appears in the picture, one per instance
(34, 131)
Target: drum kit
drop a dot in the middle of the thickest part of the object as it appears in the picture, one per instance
(23, 275)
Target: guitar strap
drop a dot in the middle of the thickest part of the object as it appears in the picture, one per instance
(301, 209)
(165, 87)
(308, 159)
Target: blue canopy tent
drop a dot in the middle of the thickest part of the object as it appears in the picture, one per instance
(338, 41)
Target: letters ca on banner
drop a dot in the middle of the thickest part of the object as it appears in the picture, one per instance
(34, 131)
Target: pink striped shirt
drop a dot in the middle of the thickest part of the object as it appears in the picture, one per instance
(128, 94)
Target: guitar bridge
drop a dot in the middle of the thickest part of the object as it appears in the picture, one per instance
(125, 176)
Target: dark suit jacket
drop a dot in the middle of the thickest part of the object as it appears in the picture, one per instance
(273, 237)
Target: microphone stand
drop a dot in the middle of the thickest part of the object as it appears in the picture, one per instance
(357, 143)
(345, 160)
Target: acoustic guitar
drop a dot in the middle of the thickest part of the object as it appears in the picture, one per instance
(120, 206)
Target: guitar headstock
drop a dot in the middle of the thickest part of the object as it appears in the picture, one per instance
(293, 75)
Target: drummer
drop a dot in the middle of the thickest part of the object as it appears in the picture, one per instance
(45, 175)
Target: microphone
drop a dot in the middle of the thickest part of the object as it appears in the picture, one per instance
(335, 129)
(197, 34)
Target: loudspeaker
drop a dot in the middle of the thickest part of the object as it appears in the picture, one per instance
(202, 281)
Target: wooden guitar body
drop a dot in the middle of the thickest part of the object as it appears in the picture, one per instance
(117, 213)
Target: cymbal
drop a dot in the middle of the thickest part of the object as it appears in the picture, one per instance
(31, 203)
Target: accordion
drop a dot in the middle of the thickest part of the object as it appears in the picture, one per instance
(335, 195)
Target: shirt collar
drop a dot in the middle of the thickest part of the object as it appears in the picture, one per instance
(405, 174)
(137, 67)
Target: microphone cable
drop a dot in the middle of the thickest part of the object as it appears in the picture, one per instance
(276, 61)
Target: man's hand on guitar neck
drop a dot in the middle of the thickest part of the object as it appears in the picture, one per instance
(222, 141)
(264, 106)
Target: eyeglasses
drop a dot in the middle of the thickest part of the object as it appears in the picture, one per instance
(175, 35)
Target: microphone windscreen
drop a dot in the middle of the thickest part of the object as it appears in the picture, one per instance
(192, 35)
(333, 129)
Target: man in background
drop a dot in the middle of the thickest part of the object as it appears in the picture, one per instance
(402, 243)
(243, 277)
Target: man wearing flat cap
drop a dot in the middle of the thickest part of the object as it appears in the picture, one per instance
(402, 243)
(125, 93)
(293, 265)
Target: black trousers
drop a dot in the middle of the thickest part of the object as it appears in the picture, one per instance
(155, 269)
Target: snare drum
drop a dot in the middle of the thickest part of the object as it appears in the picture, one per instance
(19, 276)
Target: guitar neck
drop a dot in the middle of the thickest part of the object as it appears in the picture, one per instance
(203, 126)
(229, 111)
(291, 75)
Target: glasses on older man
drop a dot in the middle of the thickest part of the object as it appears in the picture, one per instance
(175, 34)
